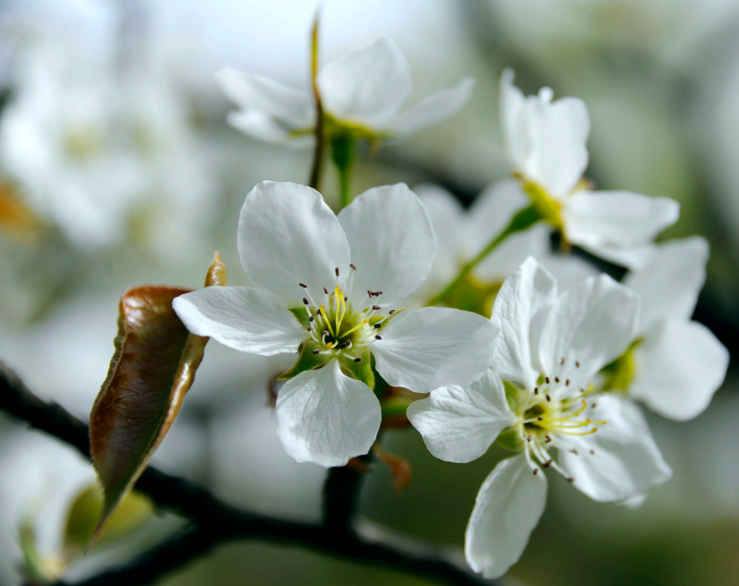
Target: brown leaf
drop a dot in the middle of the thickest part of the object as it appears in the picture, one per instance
(153, 366)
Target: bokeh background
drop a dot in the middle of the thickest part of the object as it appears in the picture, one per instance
(117, 169)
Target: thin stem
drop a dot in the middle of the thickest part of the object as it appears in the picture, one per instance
(343, 155)
(523, 219)
(318, 153)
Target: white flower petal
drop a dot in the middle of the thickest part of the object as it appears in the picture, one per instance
(447, 217)
(624, 462)
(433, 109)
(243, 318)
(392, 242)
(326, 417)
(679, 367)
(560, 132)
(591, 325)
(568, 269)
(513, 251)
(367, 84)
(459, 424)
(490, 214)
(634, 502)
(284, 104)
(519, 311)
(507, 509)
(260, 126)
(545, 140)
(671, 280)
(287, 235)
(516, 139)
(633, 258)
(616, 219)
(433, 347)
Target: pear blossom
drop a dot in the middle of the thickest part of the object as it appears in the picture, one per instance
(538, 397)
(462, 234)
(361, 92)
(41, 493)
(545, 144)
(332, 287)
(90, 144)
(675, 365)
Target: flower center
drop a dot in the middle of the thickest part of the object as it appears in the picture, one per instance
(546, 415)
(336, 324)
(82, 143)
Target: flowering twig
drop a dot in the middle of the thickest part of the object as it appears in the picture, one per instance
(217, 522)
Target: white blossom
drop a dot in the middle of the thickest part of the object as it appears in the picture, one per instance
(91, 144)
(362, 93)
(332, 288)
(545, 143)
(538, 398)
(675, 365)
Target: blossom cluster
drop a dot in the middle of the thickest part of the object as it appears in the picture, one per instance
(487, 325)
(513, 341)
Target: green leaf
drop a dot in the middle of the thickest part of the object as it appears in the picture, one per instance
(83, 515)
(152, 369)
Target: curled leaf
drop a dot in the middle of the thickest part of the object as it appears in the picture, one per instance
(153, 366)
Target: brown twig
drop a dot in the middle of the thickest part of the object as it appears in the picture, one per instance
(217, 522)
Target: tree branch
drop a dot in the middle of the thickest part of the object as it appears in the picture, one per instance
(340, 494)
(170, 555)
(217, 522)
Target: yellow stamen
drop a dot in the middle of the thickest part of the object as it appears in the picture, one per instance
(339, 302)
(359, 325)
(328, 321)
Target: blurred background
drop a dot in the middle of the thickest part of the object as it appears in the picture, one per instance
(117, 168)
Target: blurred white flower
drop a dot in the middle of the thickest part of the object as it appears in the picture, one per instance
(675, 365)
(462, 234)
(40, 479)
(378, 250)
(362, 92)
(545, 144)
(551, 346)
(91, 143)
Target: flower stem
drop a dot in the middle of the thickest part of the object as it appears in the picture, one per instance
(343, 155)
(525, 218)
(317, 166)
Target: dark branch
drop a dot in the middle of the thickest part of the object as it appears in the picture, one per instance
(170, 555)
(340, 495)
(219, 522)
